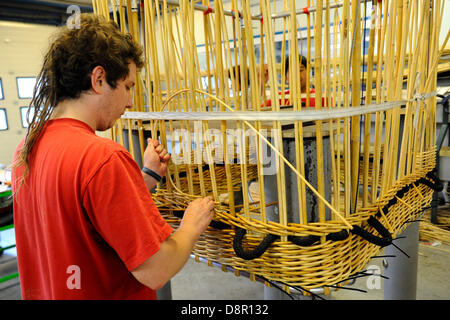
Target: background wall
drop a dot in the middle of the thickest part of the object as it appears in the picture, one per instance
(22, 47)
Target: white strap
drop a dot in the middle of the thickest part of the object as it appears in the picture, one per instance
(288, 115)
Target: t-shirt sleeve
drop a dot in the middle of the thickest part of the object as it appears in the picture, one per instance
(122, 210)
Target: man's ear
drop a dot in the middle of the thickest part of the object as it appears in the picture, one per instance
(98, 79)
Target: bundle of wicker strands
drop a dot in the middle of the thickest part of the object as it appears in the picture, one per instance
(355, 116)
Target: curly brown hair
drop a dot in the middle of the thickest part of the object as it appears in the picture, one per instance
(68, 65)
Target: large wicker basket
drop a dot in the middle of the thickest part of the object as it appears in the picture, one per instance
(373, 125)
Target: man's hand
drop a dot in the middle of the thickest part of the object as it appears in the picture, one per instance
(198, 215)
(175, 250)
(156, 158)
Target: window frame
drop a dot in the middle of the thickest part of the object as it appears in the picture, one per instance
(6, 119)
(17, 86)
(23, 116)
(1, 90)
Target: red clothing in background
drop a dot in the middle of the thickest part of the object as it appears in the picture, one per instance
(83, 218)
(287, 102)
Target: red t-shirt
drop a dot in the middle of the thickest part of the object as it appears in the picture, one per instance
(287, 102)
(83, 218)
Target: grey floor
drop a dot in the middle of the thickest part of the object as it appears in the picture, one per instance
(198, 281)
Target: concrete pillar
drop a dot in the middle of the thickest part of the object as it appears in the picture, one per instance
(165, 293)
(401, 270)
(270, 182)
(293, 212)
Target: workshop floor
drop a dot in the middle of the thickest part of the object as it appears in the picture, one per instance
(198, 281)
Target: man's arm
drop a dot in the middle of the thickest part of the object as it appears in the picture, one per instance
(150, 182)
(157, 270)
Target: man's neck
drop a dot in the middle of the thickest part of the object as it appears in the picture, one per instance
(74, 109)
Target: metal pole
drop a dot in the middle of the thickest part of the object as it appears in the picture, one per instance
(402, 270)
(200, 7)
(305, 10)
(284, 14)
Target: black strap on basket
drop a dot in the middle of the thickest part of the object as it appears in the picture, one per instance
(307, 241)
(383, 241)
(385, 238)
(257, 251)
(304, 241)
(435, 184)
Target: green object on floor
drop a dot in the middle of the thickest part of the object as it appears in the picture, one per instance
(4, 195)
(9, 277)
(9, 226)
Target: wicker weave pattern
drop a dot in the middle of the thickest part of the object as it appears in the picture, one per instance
(315, 266)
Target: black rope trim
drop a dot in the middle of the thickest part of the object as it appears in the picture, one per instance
(385, 238)
(435, 184)
(307, 241)
(430, 180)
(257, 251)
(383, 241)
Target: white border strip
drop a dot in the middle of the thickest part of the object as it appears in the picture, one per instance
(309, 115)
(264, 115)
